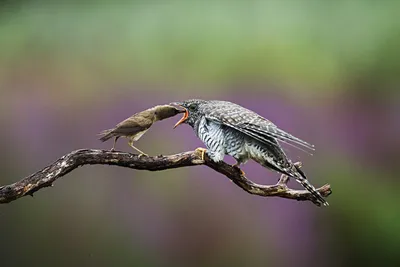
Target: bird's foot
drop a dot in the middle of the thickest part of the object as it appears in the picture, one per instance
(236, 166)
(142, 154)
(202, 152)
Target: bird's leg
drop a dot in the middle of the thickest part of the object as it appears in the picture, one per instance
(137, 149)
(202, 152)
(115, 142)
(237, 165)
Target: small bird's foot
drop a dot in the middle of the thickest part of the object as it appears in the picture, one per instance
(202, 152)
(112, 150)
(142, 154)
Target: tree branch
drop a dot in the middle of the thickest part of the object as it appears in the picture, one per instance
(73, 160)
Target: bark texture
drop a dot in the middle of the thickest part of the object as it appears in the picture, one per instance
(47, 176)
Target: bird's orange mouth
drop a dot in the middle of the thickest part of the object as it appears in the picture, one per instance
(183, 119)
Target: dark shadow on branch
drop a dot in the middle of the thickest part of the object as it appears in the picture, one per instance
(73, 160)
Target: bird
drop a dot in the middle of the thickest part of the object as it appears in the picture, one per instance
(229, 129)
(138, 124)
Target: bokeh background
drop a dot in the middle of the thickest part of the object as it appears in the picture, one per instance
(326, 71)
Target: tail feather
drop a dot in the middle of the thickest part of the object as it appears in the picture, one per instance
(309, 187)
(106, 134)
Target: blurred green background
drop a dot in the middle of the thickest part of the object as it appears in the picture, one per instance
(325, 71)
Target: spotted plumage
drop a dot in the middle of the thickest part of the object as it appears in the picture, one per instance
(229, 129)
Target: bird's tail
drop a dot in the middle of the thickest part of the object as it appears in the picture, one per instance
(106, 134)
(302, 179)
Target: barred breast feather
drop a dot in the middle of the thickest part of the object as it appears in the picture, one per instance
(212, 135)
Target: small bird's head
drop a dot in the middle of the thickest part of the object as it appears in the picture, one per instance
(166, 111)
(192, 111)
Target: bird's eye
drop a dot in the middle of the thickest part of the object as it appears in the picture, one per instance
(192, 107)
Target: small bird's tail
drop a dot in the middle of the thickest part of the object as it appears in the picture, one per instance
(302, 179)
(106, 134)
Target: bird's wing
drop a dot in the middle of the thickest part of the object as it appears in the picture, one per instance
(133, 125)
(252, 124)
(268, 129)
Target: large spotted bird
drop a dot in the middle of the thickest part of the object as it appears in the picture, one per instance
(229, 129)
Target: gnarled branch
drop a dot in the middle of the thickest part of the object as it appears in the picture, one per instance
(73, 160)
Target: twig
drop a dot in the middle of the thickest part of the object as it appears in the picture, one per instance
(73, 160)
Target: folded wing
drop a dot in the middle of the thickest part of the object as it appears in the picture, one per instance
(253, 125)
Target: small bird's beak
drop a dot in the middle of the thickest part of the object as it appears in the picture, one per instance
(178, 105)
(185, 116)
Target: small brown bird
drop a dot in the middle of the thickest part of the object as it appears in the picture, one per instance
(135, 126)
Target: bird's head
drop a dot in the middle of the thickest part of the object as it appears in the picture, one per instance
(162, 112)
(192, 111)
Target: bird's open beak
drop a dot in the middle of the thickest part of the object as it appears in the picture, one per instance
(185, 116)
